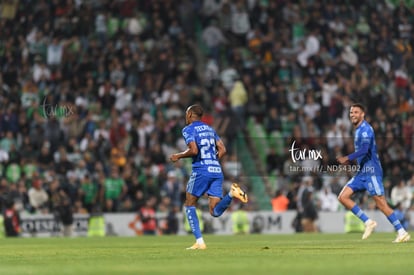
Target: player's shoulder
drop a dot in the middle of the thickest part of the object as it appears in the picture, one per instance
(366, 128)
(187, 131)
(366, 125)
(186, 128)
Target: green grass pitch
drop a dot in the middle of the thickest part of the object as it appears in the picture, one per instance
(249, 254)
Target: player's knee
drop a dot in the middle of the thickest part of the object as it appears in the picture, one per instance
(342, 198)
(189, 205)
(214, 213)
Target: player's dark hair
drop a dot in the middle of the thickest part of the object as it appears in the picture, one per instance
(359, 105)
(197, 110)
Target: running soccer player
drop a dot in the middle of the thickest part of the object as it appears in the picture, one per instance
(368, 177)
(206, 149)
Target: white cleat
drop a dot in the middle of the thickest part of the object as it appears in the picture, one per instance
(196, 246)
(369, 227)
(403, 238)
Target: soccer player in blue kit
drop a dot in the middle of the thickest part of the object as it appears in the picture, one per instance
(206, 148)
(368, 177)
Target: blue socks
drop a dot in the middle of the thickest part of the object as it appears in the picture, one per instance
(392, 218)
(359, 213)
(192, 218)
(222, 206)
(394, 221)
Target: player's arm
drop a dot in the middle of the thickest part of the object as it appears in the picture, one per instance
(365, 138)
(192, 150)
(361, 152)
(221, 148)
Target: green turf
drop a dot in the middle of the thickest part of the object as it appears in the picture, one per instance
(252, 254)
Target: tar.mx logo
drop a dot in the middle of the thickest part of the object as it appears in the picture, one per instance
(298, 154)
(56, 110)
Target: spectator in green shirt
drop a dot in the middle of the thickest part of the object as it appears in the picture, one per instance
(89, 193)
(114, 189)
(13, 172)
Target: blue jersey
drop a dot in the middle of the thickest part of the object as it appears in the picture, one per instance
(205, 137)
(369, 163)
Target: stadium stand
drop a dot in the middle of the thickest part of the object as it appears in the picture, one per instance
(88, 86)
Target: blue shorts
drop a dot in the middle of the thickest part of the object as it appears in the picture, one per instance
(201, 183)
(372, 183)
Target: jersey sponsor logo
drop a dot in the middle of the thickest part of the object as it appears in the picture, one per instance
(212, 169)
(201, 128)
(210, 162)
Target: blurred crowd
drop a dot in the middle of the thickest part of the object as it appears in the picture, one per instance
(93, 93)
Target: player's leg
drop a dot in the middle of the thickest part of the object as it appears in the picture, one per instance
(195, 189)
(214, 201)
(345, 198)
(382, 205)
(218, 205)
(376, 189)
(191, 213)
